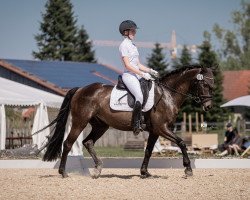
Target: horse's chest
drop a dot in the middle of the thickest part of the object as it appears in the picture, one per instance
(169, 102)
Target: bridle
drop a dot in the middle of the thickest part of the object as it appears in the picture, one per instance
(199, 81)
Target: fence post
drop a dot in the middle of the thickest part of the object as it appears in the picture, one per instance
(197, 122)
(190, 123)
(202, 122)
(184, 125)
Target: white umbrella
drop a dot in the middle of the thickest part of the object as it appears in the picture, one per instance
(240, 101)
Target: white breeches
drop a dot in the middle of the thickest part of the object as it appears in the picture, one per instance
(132, 83)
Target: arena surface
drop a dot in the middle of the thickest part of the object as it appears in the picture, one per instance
(125, 184)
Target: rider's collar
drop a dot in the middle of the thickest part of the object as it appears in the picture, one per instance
(127, 38)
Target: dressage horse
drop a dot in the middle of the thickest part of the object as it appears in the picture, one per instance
(90, 104)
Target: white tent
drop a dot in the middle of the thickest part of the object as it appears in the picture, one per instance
(41, 120)
(158, 147)
(240, 101)
(16, 94)
(2, 127)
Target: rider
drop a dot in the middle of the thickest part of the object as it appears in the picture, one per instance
(134, 70)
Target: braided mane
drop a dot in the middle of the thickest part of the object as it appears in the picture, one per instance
(180, 70)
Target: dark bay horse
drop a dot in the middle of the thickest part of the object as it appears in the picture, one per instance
(90, 104)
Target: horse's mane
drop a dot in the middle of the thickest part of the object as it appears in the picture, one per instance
(180, 70)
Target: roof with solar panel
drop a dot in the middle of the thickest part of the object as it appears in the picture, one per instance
(67, 74)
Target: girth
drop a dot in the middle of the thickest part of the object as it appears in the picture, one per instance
(145, 88)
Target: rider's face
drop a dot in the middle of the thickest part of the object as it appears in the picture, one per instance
(132, 33)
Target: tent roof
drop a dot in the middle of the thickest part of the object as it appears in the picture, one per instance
(240, 101)
(16, 94)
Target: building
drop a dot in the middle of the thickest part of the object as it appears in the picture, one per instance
(56, 76)
(236, 84)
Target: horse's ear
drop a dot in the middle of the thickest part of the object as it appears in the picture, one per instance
(203, 69)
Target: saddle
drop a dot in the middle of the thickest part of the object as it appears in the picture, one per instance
(145, 88)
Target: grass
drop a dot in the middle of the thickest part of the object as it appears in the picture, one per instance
(115, 152)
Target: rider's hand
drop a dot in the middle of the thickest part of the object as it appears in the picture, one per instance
(147, 76)
(154, 73)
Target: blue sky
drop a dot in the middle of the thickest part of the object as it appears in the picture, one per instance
(19, 22)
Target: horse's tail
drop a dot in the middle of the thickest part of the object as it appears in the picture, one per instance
(54, 146)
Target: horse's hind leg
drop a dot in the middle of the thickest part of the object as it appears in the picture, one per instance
(98, 129)
(67, 145)
(148, 152)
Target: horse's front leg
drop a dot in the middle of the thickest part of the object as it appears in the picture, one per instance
(186, 160)
(168, 134)
(148, 152)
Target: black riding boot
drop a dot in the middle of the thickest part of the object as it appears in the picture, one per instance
(136, 118)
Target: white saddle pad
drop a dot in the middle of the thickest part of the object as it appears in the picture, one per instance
(122, 104)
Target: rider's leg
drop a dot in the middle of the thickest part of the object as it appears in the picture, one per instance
(132, 83)
(136, 118)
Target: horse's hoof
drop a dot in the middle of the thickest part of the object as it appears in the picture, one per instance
(145, 174)
(96, 173)
(65, 175)
(188, 172)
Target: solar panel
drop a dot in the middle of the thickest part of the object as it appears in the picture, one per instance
(67, 74)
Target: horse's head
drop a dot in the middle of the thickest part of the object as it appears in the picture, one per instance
(196, 80)
(203, 87)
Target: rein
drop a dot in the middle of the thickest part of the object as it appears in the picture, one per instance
(197, 99)
(189, 95)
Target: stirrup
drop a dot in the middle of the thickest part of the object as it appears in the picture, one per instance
(137, 130)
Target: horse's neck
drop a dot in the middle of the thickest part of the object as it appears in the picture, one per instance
(181, 87)
(180, 84)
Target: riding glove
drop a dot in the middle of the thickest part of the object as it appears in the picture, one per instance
(147, 76)
(154, 73)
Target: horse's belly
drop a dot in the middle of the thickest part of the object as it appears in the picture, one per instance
(117, 120)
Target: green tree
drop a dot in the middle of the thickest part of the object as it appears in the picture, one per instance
(157, 60)
(189, 106)
(208, 58)
(83, 47)
(184, 60)
(235, 44)
(58, 32)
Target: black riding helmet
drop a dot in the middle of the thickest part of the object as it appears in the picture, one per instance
(127, 25)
